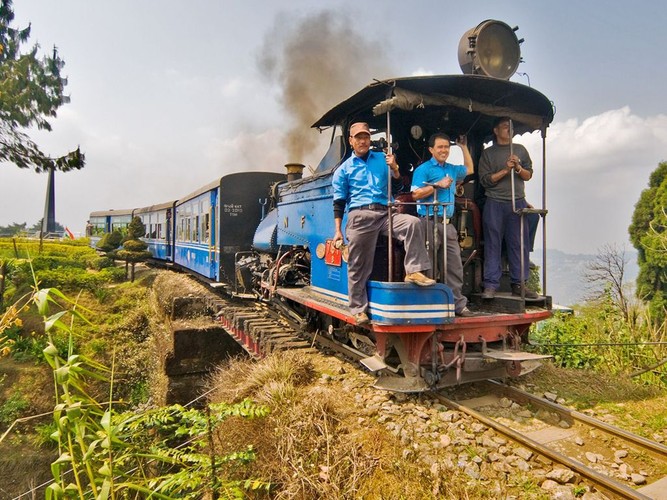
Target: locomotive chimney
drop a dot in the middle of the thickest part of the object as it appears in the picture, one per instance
(294, 171)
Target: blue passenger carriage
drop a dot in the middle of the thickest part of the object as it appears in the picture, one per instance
(215, 225)
(107, 221)
(159, 223)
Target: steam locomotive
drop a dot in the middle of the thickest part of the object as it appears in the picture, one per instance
(266, 237)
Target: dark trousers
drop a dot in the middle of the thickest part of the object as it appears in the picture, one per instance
(502, 224)
(362, 230)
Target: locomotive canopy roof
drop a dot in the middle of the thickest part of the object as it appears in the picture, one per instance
(452, 103)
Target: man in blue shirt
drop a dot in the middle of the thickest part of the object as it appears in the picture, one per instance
(361, 183)
(439, 178)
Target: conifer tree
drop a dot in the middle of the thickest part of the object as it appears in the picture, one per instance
(31, 90)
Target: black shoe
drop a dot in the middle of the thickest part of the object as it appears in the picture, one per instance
(465, 313)
(528, 293)
(488, 293)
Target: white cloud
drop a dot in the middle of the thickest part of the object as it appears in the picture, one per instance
(596, 170)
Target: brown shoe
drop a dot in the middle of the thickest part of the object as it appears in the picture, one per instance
(528, 294)
(419, 279)
(465, 313)
(361, 319)
(488, 293)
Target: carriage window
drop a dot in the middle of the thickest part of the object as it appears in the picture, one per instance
(206, 228)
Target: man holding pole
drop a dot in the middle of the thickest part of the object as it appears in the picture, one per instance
(503, 169)
(362, 182)
(437, 179)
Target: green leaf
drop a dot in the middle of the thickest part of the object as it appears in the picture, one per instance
(62, 374)
(41, 299)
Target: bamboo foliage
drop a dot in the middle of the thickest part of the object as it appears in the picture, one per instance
(104, 453)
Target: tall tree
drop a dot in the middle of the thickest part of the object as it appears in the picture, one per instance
(648, 233)
(31, 90)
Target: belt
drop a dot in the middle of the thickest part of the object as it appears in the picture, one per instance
(372, 206)
(447, 221)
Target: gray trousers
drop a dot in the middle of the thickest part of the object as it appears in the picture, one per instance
(362, 230)
(454, 272)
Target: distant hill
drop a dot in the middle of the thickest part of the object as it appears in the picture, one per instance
(565, 274)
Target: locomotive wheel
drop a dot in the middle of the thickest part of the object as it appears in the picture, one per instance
(513, 368)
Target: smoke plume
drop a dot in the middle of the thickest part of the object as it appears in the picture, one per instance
(317, 61)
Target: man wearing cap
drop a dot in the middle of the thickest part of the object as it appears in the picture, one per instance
(361, 183)
(438, 178)
(497, 165)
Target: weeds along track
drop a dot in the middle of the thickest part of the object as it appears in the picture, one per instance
(617, 463)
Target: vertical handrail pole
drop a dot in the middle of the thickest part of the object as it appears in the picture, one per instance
(512, 174)
(443, 274)
(521, 215)
(390, 236)
(544, 207)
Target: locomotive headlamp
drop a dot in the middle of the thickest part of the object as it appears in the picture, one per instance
(490, 49)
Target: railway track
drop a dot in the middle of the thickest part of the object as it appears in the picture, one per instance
(605, 456)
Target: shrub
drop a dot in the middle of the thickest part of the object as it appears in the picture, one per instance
(12, 409)
(113, 274)
(110, 241)
(98, 263)
(70, 279)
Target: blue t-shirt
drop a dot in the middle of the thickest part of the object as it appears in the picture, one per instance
(431, 172)
(360, 182)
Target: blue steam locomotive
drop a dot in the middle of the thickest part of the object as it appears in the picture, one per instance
(263, 236)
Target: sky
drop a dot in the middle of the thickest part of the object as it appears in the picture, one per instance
(166, 96)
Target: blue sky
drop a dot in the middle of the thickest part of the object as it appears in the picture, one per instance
(166, 95)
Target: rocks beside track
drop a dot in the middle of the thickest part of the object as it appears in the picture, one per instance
(449, 443)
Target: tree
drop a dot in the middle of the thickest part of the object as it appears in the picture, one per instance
(31, 90)
(13, 229)
(649, 236)
(134, 250)
(605, 277)
(110, 242)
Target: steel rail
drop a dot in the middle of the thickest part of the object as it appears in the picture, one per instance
(605, 483)
(646, 444)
